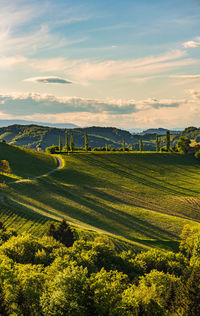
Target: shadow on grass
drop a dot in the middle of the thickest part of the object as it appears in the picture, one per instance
(75, 203)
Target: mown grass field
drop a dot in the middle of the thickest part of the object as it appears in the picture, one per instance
(141, 198)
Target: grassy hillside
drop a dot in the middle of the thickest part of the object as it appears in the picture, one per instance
(144, 199)
(25, 163)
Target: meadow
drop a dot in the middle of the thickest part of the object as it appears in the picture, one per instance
(143, 199)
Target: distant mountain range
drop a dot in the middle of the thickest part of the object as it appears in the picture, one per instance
(4, 123)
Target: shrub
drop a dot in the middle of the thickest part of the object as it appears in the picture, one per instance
(197, 155)
(5, 166)
(52, 149)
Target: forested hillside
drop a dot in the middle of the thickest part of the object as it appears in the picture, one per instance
(33, 135)
(43, 276)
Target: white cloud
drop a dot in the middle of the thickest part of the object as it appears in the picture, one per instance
(7, 62)
(190, 44)
(194, 93)
(48, 80)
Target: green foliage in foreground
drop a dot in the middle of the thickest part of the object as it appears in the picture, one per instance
(40, 276)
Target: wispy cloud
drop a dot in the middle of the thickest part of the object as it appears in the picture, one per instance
(17, 15)
(86, 70)
(49, 79)
(192, 77)
(7, 62)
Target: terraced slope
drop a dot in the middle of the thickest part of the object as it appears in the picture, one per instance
(144, 199)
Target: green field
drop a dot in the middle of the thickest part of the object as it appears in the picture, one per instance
(141, 198)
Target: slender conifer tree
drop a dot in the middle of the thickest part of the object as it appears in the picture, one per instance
(106, 146)
(72, 142)
(123, 145)
(60, 143)
(66, 141)
(167, 140)
(86, 142)
(140, 145)
(157, 144)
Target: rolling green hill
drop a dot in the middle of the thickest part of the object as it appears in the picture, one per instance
(141, 198)
(32, 135)
(25, 163)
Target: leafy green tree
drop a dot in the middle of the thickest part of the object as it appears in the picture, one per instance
(30, 280)
(72, 142)
(157, 144)
(60, 143)
(106, 146)
(183, 144)
(86, 142)
(66, 293)
(140, 145)
(21, 249)
(5, 166)
(189, 297)
(167, 142)
(107, 288)
(188, 238)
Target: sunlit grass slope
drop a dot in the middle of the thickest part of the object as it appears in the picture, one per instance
(25, 163)
(142, 198)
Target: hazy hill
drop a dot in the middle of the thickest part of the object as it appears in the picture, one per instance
(4, 123)
(159, 131)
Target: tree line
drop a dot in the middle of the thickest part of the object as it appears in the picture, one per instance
(50, 276)
(182, 146)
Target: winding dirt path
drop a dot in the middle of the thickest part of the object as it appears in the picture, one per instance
(60, 165)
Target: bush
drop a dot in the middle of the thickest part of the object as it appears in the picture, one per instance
(5, 166)
(52, 149)
(183, 144)
(197, 155)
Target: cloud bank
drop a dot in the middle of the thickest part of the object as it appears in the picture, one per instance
(106, 112)
(28, 103)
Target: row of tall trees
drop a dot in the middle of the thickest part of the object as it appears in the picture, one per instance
(69, 145)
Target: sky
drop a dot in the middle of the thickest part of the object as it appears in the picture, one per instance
(124, 63)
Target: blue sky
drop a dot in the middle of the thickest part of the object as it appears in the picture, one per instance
(110, 63)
